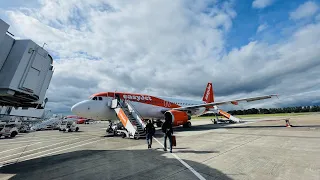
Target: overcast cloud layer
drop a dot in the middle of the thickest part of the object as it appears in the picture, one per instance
(170, 48)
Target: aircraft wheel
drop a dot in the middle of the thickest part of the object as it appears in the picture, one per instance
(123, 135)
(13, 134)
(188, 124)
(77, 129)
(159, 124)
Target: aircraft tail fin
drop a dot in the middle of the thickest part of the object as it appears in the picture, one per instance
(208, 96)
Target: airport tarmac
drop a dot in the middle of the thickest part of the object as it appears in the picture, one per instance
(262, 149)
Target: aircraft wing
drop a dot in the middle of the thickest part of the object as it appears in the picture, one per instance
(235, 102)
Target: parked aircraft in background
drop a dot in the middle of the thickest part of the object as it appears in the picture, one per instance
(78, 119)
(179, 111)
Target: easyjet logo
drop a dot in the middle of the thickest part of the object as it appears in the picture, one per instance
(208, 91)
(138, 98)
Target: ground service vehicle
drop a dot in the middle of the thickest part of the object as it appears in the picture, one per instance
(8, 130)
(68, 126)
(24, 128)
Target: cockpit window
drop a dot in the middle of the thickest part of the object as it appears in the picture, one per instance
(100, 98)
(94, 98)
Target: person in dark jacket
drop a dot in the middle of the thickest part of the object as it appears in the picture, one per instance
(150, 130)
(168, 132)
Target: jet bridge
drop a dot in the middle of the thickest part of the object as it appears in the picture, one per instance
(25, 71)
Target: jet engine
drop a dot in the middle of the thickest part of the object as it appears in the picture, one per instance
(177, 117)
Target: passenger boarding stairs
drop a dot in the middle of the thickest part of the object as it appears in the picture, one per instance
(130, 119)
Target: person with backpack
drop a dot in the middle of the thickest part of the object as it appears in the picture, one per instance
(150, 130)
(168, 132)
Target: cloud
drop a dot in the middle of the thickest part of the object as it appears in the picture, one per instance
(262, 27)
(150, 47)
(318, 17)
(260, 4)
(305, 10)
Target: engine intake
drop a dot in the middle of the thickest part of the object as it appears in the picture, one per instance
(176, 117)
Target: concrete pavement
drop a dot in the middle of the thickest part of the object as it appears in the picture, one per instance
(253, 150)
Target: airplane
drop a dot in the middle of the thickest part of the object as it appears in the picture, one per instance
(177, 111)
(79, 120)
(74, 116)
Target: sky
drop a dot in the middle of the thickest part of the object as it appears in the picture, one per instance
(173, 48)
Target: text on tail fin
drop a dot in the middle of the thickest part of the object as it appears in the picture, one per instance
(208, 94)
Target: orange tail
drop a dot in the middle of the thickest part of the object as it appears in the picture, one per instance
(208, 94)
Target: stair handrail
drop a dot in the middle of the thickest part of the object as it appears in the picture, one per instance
(140, 118)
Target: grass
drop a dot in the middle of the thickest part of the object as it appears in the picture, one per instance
(257, 115)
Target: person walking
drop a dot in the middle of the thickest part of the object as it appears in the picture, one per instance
(150, 130)
(168, 132)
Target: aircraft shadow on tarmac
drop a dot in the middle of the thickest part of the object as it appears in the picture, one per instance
(109, 164)
(190, 151)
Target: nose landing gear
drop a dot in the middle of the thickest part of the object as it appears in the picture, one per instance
(115, 129)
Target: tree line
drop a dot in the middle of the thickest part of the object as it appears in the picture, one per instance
(295, 109)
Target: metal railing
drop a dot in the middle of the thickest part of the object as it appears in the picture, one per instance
(140, 118)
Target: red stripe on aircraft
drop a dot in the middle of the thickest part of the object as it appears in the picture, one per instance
(142, 98)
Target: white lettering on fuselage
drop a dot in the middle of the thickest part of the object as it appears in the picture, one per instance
(138, 98)
(167, 103)
(208, 91)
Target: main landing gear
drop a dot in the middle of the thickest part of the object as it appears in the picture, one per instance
(114, 128)
(158, 123)
(187, 125)
(117, 129)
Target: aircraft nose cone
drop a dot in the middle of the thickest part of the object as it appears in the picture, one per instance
(76, 109)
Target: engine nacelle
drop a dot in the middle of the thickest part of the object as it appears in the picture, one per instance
(176, 117)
